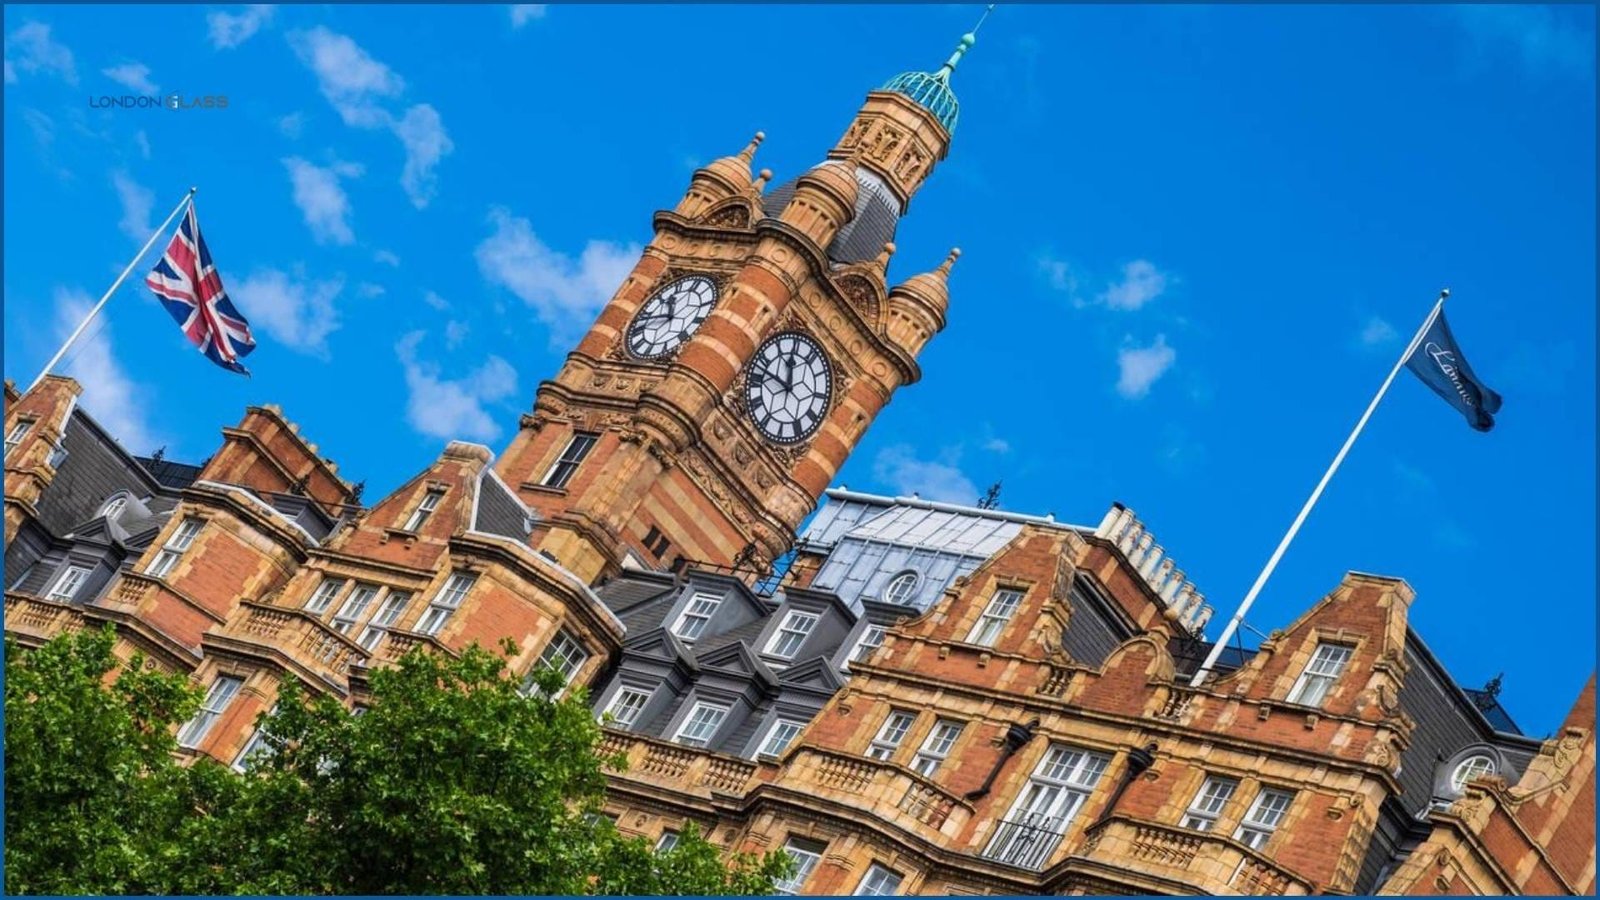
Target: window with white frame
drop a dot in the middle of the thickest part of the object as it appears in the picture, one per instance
(1326, 665)
(182, 537)
(68, 583)
(262, 744)
(355, 606)
(626, 706)
(1263, 818)
(695, 616)
(430, 502)
(880, 881)
(1470, 768)
(1209, 802)
(394, 606)
(780, 736)
(1002, 606)
(890, 734)
(667, 841)
(114, 507)
(701, 725)
(806, 854)
(17, 433)
(936, 746)
(448, 601)
(1058, 788)
(564, 655)
(218, 696)
(900, 588)
(567, 464)
(792, 633)
(870, 640)
(322, 597)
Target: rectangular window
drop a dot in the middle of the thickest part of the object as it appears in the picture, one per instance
(936, 746)
(995, 616)
(217, 699)
(891, 734)
(564, 654)
(667, 841)
(696, 615)
(67, 585)
(783, 733)
(322, 597)
(870, 640)
(430, 502)
(806, 854)
(18, 432)
(389, 613)
(879, 882)
(626, 706)
(354, 607)
(1056, 791)
(1263, 818)
(567, 465)
(181, 538)
(792, 634)
(1208, 804)
(1326, 665)
(701, 726)
(448, 600)
(262, 745)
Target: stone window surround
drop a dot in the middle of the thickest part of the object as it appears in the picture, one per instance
(1297, 660)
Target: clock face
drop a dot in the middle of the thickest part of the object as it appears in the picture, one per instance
(671, 314)
(787, 387)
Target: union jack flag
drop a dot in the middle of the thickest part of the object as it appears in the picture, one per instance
(187, 284)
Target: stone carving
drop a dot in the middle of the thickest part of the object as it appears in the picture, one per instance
(911, 165)
(733, 215)
(863, 295)
(884, 145)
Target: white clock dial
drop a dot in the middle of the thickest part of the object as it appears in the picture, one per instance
(787, 387)
(670, 315)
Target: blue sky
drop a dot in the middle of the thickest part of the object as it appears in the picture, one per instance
(1195, 239)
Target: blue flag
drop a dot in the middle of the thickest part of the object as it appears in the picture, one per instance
(1439, 363)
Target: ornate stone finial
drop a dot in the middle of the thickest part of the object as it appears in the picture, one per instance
(883, 257)
(749, 152)
(762, 177)
(949, 261)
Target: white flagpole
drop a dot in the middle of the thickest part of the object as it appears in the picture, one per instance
(160, 230)
(1250, 598)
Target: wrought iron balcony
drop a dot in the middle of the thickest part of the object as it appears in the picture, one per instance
(1026, 842)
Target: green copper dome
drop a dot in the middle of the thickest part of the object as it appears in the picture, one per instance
(931, 90)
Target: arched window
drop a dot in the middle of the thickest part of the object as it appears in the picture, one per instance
(1471, 768)
(900, 588)
(114, 507)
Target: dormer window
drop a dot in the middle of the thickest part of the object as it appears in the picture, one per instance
(114, 507)
(696, 615)
(17, 433)
(430, 502)
(870, 640)
(69, 583)
(1326, 665)
(792, 634)
(1470, 768)
(901, 588)
(995, 616)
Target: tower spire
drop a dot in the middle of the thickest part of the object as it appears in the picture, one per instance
(965, 44)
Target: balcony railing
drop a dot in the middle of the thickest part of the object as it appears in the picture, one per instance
(299, 635)
(1027, 842)
(38, 617)
(878, 788)
(1208, 862)
(674, 765)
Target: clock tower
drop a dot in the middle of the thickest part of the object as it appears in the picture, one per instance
(739, 363)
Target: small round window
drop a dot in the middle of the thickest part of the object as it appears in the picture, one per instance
(900, 588)
(1471, 768)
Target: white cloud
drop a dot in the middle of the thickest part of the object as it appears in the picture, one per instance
(422, 134)
(114, 400)
(435, 301)
(1548, 39)
(297, 312)
(136, 204)
(134, 76)
(366, 290)
(565, 293)
(523, 13)
(1141, 282)
(291, 125)
(229, 30)
(348, 77)
(1377, 332)
(387, 257)
(1139, 367)
(322, 199)
(454, 333)
(453, 409)
(30, 49)
(1061, 276)
(997, 445)
(142, 141)
(942, 479)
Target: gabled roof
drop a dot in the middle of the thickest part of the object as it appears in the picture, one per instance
(738, 658)
(816, 673)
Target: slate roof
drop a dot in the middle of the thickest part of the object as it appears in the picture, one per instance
(862, 238)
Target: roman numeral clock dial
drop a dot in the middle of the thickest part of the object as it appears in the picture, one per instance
(788, 385)
(670, 316)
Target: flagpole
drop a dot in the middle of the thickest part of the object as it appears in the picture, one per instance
(160, 230)
(1250, 598)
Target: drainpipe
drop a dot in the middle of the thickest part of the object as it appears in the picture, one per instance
(1138, 762)
(1016, 737)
